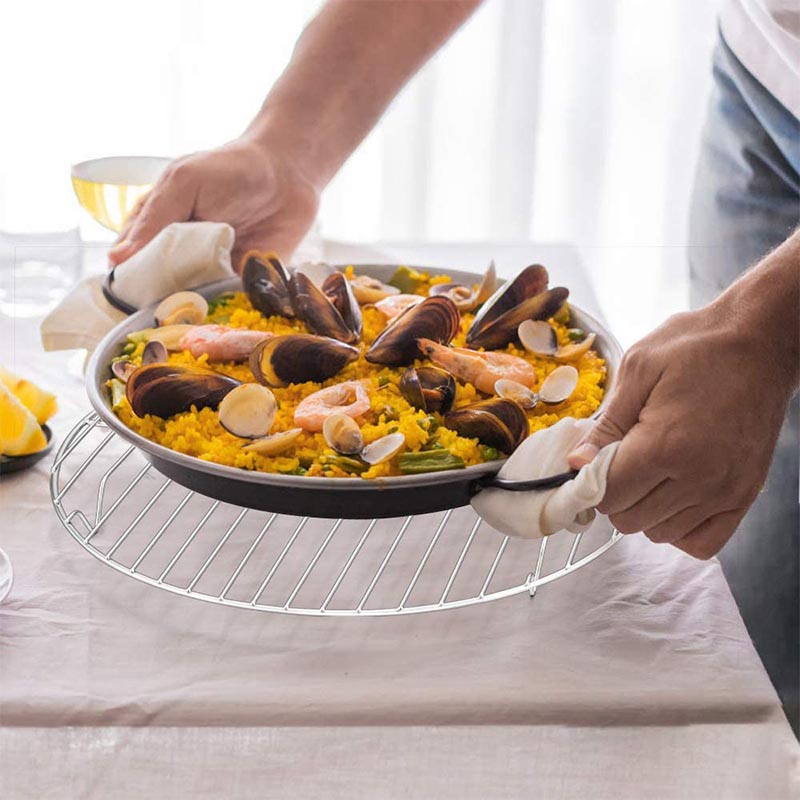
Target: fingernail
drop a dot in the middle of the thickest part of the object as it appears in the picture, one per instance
(582, 455)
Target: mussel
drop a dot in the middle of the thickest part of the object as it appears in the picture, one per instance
(181, 308)
(466, 298)
(525, 297)
(266, 284)
(329, 311)
(428, 388)
(167, 389)
(248, 411)
(299, 357)
(539, 337)
(435, 318)
(498, 423)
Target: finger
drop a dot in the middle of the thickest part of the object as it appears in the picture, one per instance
(633, 473)
(658, 505)
(677, 526)
(171, 201)
(708, 538)
(619, 417)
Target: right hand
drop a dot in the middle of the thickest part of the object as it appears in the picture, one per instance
(254, 187)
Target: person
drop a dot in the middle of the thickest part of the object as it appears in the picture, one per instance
(700, 401)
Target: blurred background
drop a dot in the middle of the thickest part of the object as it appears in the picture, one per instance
(546, 120)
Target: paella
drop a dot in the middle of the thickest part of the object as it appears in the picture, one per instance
(325, 372)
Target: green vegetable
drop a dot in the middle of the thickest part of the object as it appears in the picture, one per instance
(344, 462)
(428, 461)
(563, 314)
(129, 349)
(490, 453)
(407, 280)
(393, 429)
(137, 337)
(576, 334)
(220, 300)
(428, 423)
(390, 412)
(296, 471)
(383, 380)
(117, 392)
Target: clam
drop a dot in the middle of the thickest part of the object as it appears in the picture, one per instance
(368, 290)
(266, 284)
(342, 434)
(435, 318)
(539, 337)
(383, 449)
(154, 352)
(395, 304)
(169, 335)
(498, 423)
(526, 297)
(167, 389)
(329, 311)
(428, 388)
(518, 392)
(299, 357)
(559, 385)
(123, 369)
(466, 298)
(181, 308)
(275, 444)
(248, 411)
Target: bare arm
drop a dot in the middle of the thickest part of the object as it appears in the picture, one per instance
(348, 65)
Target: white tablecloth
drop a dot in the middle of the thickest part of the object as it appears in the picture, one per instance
(633, 678)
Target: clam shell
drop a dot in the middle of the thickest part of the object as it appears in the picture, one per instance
(155, 352)
(383, 449)
(275, 444)
(181, 308)
(368, 290)
(559, 385)
(299, 357)
(248, 411)
(518, 392)
(342, 434)
(123, 369)
(538, 337)
(435, 318)
(266, 284)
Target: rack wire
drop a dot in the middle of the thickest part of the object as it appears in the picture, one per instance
(133, 519)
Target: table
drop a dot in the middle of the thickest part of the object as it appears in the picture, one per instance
(634, 677)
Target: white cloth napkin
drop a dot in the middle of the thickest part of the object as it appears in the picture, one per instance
(182, 256)
(538, 513)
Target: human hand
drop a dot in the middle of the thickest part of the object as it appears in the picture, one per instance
(698, 407)
(252, 184)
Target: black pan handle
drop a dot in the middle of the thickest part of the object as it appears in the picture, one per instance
(116, 301)
(493, 482)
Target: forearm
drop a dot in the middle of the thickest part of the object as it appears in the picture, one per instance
(349, 63)
(764, 304)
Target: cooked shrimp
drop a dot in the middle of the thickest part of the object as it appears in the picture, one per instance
(349, 397)
(395, 304)
(221, 343)
(482, 369)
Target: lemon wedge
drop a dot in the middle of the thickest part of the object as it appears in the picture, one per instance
(20, 433)
(40, 403)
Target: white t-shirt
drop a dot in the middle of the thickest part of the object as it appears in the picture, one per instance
(765, 36)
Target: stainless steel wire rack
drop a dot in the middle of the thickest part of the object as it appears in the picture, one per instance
(132, 518)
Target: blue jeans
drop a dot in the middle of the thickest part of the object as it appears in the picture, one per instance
(746, 201)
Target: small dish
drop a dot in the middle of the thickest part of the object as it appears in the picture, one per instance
(9, 464)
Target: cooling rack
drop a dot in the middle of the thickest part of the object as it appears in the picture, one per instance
(133, 519)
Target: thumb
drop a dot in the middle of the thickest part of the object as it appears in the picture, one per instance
(620, 416)
(166, 203)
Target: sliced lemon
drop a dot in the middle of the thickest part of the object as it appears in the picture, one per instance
(20, 433)
(40, 403)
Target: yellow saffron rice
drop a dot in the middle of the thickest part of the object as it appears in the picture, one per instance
(199, 433)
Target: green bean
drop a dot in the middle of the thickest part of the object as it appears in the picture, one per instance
(428, 461)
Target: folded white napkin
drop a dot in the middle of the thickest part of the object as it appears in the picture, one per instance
(182, 256)
(537, 513)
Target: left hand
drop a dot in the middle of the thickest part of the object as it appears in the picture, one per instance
(698, 407)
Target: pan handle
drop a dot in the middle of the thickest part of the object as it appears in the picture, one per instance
(493, 482)
(112, 298)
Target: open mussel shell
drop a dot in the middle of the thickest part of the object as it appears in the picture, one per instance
(342, 434)
(525, 297)
(266, 284)
(435, 318)
(181, 308)
(299, 357)
(383, 449)
(559, 385)
(328, 311)
(498, 423)
(168, 389)
(248, 411)
(428, 388)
